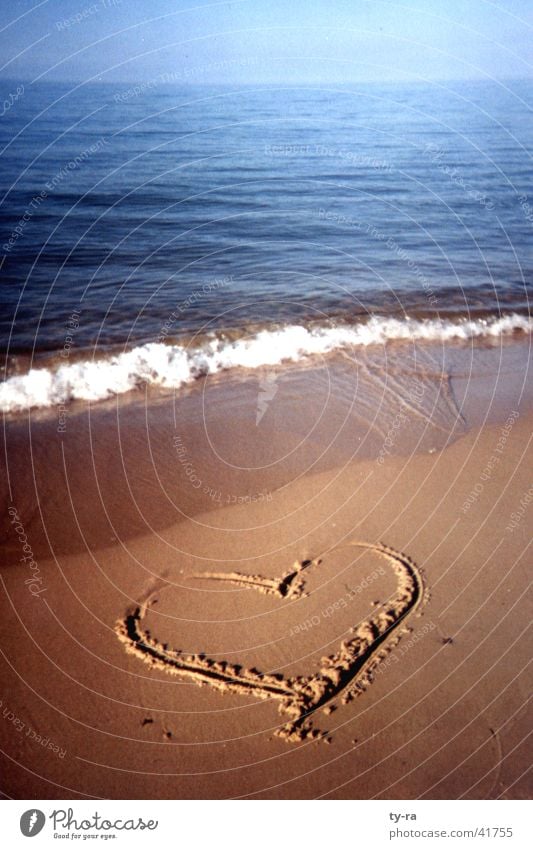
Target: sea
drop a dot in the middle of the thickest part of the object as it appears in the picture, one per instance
(154, 232)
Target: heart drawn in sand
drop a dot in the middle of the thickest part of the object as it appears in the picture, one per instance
(345, 673)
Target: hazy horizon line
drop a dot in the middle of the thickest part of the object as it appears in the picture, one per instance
(248, 84)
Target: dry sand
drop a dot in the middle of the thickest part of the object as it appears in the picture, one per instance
(304, 584)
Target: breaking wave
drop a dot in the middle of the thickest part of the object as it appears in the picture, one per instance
(174, 365)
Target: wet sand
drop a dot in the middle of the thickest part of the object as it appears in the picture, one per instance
(294, 584)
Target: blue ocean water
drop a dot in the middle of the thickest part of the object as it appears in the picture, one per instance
(154, 211)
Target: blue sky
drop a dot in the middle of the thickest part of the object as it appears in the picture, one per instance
(266, 41)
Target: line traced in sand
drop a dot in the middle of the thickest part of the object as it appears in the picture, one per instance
(290, 585)
(345, 673)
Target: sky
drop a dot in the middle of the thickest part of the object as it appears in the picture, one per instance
(265, 41)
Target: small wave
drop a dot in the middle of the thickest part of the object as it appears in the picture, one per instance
(172, 366)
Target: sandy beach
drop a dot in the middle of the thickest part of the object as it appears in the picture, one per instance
(292, 583)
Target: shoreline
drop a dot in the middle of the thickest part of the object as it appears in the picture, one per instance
(116, 525)
(73, 373)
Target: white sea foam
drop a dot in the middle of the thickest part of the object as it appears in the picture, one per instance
(172, 366)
